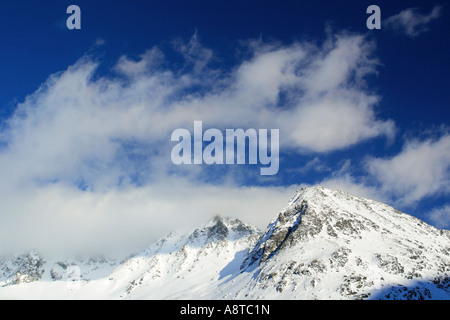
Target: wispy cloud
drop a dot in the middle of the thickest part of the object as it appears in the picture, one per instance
(441, 216)
(411, 22)
(420, 170)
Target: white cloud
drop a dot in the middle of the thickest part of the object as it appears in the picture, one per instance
(75, 126)
(147, 62)
(420, 170)
(345, 61)
(59, 219)
(441, 216)
(87, 159)
(330, 109)
(335, 121)
(343, 179)
(411, 22)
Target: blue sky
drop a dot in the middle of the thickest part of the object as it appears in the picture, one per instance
(86, 115)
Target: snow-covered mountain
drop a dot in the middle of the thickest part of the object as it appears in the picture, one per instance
(325, 244)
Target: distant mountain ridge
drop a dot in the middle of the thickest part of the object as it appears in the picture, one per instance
(325, 244)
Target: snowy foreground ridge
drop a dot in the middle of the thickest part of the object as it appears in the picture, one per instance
(326, 244)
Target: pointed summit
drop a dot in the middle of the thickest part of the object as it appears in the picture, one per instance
(325, 234)
(335, 215)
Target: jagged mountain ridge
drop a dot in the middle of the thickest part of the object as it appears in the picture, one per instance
(325, 244)
(31, 266)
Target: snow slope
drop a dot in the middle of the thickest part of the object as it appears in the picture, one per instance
(325, 244)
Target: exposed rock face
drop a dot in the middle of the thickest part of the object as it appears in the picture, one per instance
(23, 268)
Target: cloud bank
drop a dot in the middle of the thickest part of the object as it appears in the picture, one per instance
(85, 160)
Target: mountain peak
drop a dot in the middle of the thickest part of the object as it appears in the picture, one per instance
(322, 232)
(221, 229)
(283, 227)
(333, 214)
